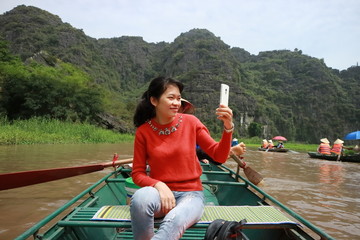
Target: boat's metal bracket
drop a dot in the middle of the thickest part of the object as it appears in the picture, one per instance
(37, 236)
(214, 188)
(91, 193)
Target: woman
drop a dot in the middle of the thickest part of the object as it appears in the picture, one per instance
(280, 145)
(324, 147)
(337, 148)
(270, 145)
(264, 143)
(165, 140)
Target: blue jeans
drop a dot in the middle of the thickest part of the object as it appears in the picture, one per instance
(145, 205)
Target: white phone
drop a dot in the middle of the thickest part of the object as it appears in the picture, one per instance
(224, 94)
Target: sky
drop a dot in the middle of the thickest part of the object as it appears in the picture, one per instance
(324, 29)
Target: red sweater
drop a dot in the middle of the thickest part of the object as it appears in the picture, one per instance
(172, 158)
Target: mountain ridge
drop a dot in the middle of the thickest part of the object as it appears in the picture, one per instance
(282, 90)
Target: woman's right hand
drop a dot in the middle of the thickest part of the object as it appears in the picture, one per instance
(225, 114)
(167, 198)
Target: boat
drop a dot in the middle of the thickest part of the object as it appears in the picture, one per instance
(228, 195)
(273, 149)
(343, 158)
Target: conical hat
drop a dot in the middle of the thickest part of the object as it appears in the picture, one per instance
(338, 141)
(324, 140)
(187, 107)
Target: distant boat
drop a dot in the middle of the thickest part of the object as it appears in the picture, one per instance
(274, 149)
(344, 158)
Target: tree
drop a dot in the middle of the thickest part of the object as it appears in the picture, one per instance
(255, 129)
(63, 92)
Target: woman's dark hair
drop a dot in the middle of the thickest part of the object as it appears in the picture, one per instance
(145, 110)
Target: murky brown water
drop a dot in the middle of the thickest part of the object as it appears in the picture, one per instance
(325, 193)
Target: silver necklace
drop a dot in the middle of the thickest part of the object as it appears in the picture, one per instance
(166, 131)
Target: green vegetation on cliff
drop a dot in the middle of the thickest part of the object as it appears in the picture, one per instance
(280, 92)
(62, 92)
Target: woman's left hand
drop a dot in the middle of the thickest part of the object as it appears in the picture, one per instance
(225, 114)
(239, 149)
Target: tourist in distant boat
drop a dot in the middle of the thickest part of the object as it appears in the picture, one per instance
(280, 145)
(270, 145)
(264, 143)
(165, 140)
(324, 147)
(337, 148)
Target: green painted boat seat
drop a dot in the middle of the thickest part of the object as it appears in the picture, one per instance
(119, 216)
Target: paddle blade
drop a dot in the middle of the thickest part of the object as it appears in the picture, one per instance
(21, 179)
(253, 175)
(250, 173)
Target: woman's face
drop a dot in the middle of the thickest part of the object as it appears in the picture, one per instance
(167, 106)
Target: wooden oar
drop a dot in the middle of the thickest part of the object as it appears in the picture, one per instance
(250, 173)
(26, 178)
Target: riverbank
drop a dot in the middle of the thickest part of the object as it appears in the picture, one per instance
(52, 131)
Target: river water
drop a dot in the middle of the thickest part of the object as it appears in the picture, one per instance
(325, 193)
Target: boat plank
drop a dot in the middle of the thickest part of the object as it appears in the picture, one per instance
(256, 216)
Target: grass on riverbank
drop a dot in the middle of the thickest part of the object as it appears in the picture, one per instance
(51, 131)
